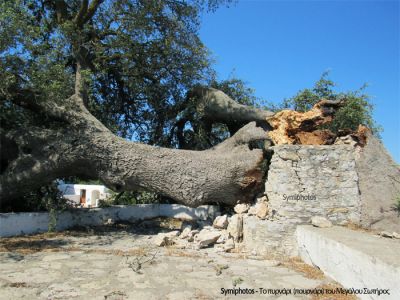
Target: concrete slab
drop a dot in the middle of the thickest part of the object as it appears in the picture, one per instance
(355, 259)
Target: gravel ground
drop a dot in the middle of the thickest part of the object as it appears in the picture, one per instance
(121, 262)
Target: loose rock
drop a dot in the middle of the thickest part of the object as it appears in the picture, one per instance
(272, 263)
(186, 233)
(386, 234)
(207, 238)
(222, 239)
(321, 222)
(160, 240)
(252, 211)
(241, 208)
(229, 245)
(221, 222)
(235, 227)
(262, 210)
(181, 244)
(172, 234)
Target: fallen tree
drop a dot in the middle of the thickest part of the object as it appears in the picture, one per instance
(92, 58)
(78, 144)
(81, 145)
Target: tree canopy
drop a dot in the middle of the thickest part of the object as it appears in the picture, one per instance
(138, 59)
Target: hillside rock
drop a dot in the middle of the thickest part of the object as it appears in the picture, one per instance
(379, 185)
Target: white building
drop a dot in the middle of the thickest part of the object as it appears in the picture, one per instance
(86, 195)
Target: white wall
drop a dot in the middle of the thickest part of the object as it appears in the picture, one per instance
(12, 224)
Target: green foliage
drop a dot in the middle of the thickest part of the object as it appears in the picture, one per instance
(46, 198)
(138, 197)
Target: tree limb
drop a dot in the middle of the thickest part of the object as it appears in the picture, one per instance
(79, 18)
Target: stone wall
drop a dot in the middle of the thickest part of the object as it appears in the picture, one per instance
(304, 181)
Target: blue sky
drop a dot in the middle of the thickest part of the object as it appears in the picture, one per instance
(280, 47)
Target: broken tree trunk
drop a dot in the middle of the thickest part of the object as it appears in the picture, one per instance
(293, 127)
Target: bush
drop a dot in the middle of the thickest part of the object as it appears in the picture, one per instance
(137, 197)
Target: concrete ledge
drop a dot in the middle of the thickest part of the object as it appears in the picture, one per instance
(12, 224)
(352, 258)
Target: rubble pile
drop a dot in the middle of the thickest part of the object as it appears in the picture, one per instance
(224, 234)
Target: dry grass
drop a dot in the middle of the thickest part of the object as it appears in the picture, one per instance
(49, 241)
(357, 227)
(296, 264)
(170, 251)
(55, 242)
(18, 284)
(332, 286)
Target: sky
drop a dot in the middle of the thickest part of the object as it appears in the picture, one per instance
(281, 47)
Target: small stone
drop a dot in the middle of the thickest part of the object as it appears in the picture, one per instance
(181, 244)
(195, 247)
(235, 227)
(229, 245)
(109, 222)
(207, 238)
(241, 208)
(252, 211)
(160, 240)
(172, 234)
(192, 235)
(165, 239)
(271, 263)
(194, 232)
(396, 235)
(262, 199)
(386, 234)
(255, 257)
(321, 222)
(221, 222)
(262, 210)
(222, 239)
(186, 233)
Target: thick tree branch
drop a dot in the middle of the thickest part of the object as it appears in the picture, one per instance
(217, 107)
(61, 11)
(79, 18)
(92, 9)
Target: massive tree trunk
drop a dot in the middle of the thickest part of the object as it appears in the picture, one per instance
(80, 145)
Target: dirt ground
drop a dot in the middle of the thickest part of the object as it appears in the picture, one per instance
(121, 262)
